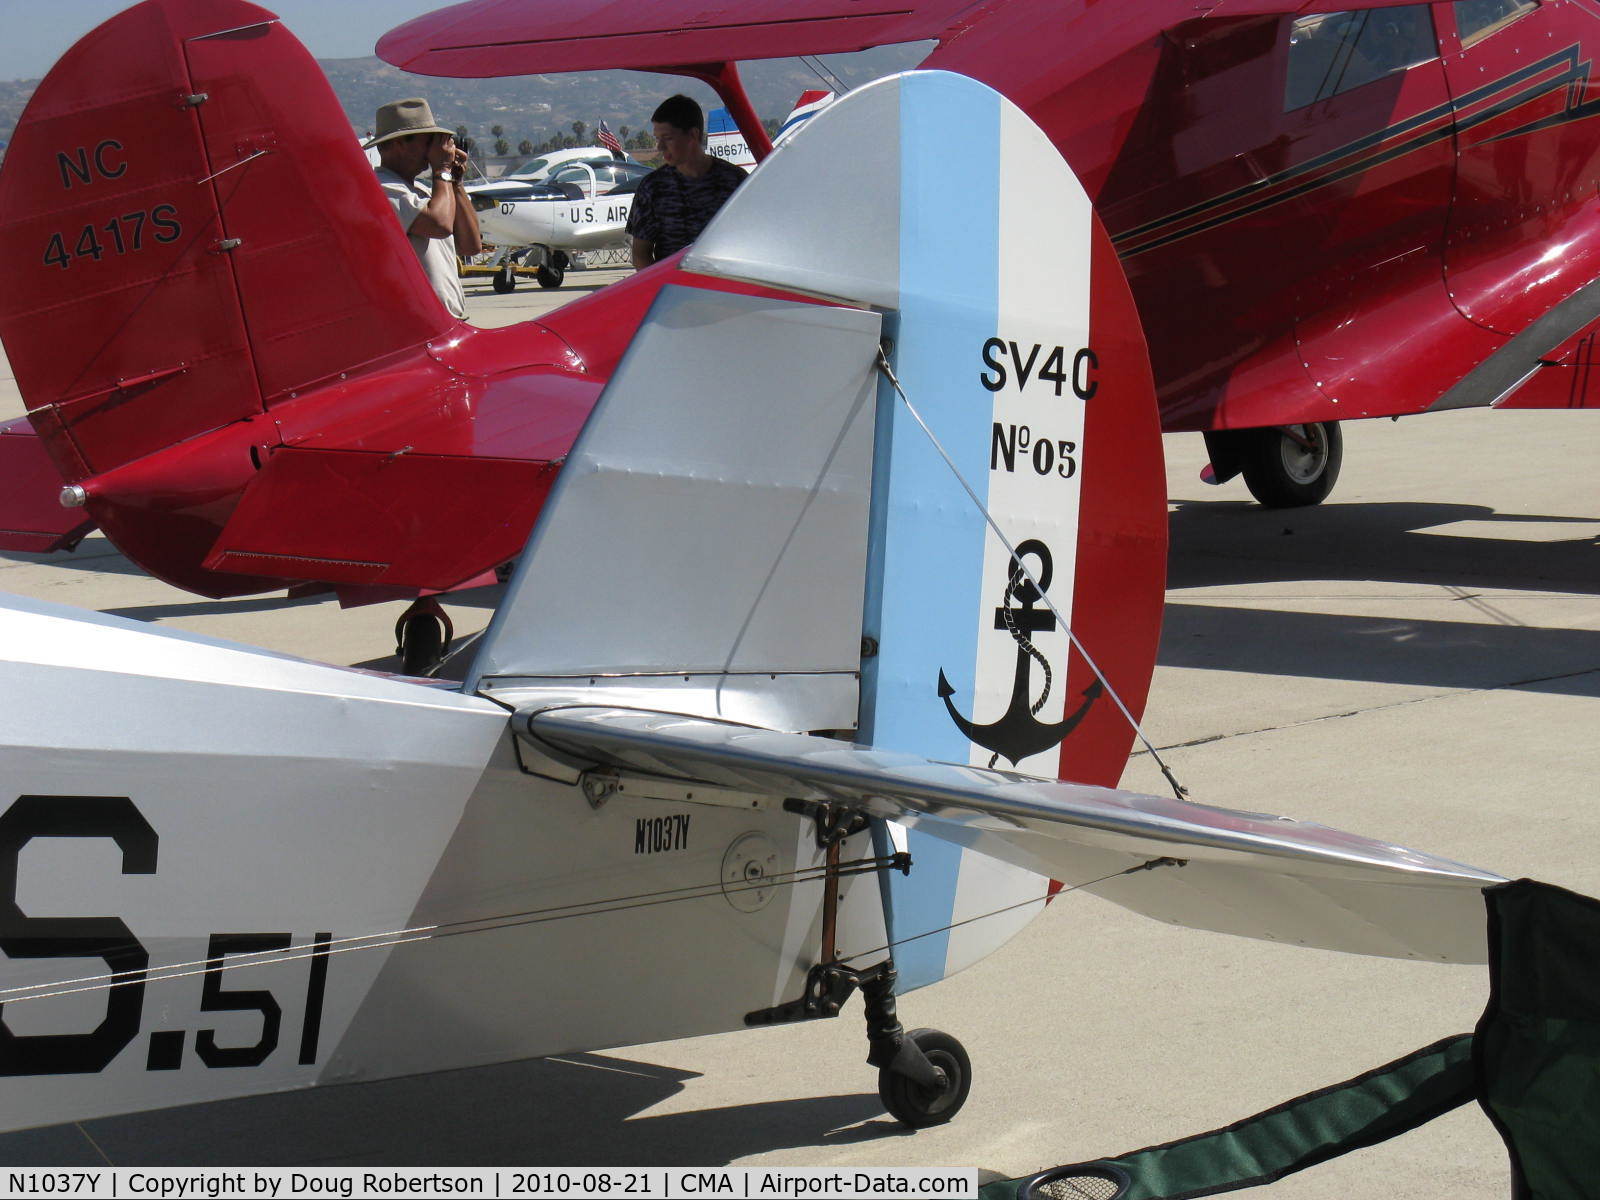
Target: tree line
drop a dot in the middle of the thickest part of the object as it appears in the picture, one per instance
(581, 134)
(501, 146)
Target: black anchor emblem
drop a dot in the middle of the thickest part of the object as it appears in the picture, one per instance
(1017, 735)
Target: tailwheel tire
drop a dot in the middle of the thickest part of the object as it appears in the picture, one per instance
(505, 280)
(550, 277)
(422, 636)
(917, 1106)
(1293, 465)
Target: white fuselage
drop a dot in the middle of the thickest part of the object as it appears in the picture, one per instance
(560, 222)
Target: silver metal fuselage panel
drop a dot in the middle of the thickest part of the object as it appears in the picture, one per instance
(358, 854)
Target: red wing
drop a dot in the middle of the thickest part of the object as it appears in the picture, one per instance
(512, 37)
(507, 37)
(426, 501)
(31, 516)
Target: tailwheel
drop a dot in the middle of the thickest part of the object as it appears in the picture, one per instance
(923, 1076)
(921, 1104)
(1291, 466)
(422, 635)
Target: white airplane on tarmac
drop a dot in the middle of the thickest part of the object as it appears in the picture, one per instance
(582, 204)
(729, 750)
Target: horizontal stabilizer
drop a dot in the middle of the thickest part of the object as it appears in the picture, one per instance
(340, 517)
(1209, 868)
(31, 516)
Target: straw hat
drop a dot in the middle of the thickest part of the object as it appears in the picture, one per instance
(403, 118)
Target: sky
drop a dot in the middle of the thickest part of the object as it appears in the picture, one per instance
(36, 34)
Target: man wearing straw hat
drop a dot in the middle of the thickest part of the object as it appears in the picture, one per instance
(438, 217)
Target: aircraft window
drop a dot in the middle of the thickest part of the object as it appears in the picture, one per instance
(1330, 53)
(532, 167)
(606, 172)
(1477, 19)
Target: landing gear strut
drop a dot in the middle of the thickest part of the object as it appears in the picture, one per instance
(923, 1076)
(422, 635)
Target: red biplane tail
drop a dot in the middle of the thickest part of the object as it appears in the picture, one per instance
(191, 234)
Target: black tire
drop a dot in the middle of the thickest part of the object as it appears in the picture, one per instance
(422, 644)
(561, 260)
(550, 277)
(505, 280)
(1281, 471)
(919, 1107)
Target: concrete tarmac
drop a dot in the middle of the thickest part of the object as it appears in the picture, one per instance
(1417, 659)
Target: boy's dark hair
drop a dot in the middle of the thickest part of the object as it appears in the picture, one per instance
(681, 112)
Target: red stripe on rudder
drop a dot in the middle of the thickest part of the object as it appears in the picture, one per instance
(1122, 529)
(327, 278)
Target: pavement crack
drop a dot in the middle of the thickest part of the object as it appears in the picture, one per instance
(1356, 712)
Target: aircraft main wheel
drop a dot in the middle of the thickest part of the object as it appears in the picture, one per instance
(550, 277)
(917, 1106)
(1292, 466)
(505, 280)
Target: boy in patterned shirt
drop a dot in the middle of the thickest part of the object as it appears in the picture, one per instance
(678, 199)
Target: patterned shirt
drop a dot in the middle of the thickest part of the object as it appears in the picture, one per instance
(670, 209)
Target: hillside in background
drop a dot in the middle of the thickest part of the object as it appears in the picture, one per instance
(537, 107)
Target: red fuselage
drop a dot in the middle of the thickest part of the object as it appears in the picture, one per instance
(1322, 217)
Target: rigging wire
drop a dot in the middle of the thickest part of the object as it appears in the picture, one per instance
(422, 933)
(1150, 865)
(821, 70)
(888, 372)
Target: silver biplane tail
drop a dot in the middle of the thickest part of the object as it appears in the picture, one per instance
(856, 564)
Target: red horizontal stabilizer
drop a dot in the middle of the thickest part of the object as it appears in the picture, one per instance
(341, 516)
(190, 232)
(31, 516)
(426, 497)
(492, 37)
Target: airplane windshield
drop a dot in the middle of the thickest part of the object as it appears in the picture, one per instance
(1477, 19)
(1330, 53)
(532, 167)
(607, 172)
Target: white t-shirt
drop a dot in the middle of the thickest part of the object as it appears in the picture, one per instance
(437, 255)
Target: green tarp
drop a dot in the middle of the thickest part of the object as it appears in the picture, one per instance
(1533, 1064)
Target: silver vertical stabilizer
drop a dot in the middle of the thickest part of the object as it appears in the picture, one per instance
(711, 521)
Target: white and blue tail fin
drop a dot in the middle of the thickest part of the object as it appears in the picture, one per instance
(756, 517)
(724, 141)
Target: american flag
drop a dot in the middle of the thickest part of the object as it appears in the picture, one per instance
(609, 140)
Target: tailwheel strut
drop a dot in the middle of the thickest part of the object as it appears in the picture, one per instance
(924, 1076)
(422, 635)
